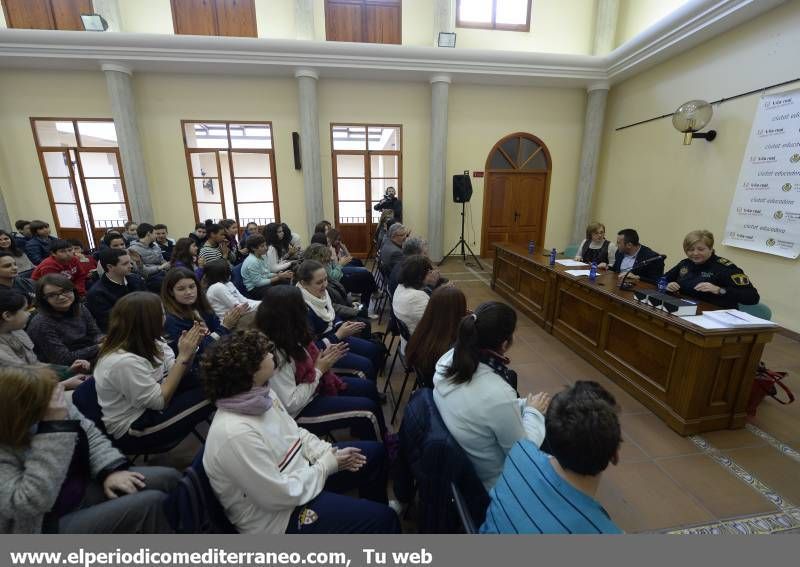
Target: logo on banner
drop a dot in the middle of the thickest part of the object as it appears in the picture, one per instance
(770, 242)
(795, 158)
(786, 187)
(778, 215)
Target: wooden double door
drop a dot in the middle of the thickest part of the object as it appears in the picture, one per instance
(516, 193)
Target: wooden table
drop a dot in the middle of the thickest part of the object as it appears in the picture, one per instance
(694, 379)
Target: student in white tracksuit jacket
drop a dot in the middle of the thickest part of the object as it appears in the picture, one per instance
(475, 392)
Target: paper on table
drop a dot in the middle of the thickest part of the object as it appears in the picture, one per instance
(705, 322)
(570, 263)
(578, 273)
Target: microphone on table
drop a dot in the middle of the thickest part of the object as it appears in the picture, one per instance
(627, 285)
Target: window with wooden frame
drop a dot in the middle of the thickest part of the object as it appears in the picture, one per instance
(365, 21)
(235, 18)
(508, 15)
(367, 159)
(46, 14)
(82, 172)
(231, 171)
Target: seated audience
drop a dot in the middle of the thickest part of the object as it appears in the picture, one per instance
(116, 282)
(223, 296)
(363, 356)
(256, 274)
(249, 230)
(164, 241)
(63, 330)
(355, 277)
(16, 347)
(475, 392)
(131, 232)
(86, 264)
(23, 233)
(341, 253)
(391, 251)
(142, 386)
(38, 246)
(630, 253)
(541, 493)
(323, 226)
(270, 475)
(386, 220)
(185, 305)
(277, 252)
(314, 396)
(216, 246)
(291, 242)
(344, 308)
(62, 261)
(184, 255)
(410, 298)
(436, 332)
(232, 235)
(10, 278)
(595, 248)
(9, 245)
(709, 277)
(411, 247)
(199, 235)
(60, 474)
(153, 264)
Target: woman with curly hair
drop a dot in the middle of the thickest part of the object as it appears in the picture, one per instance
(272, 476)
(277, 251)
(317, 398)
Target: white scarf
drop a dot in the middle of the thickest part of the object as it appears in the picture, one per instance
(322, 307)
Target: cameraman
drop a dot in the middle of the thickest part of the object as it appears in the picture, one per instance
(389, 201)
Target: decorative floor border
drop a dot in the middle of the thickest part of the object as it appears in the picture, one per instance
(784, 449)
(763, 524)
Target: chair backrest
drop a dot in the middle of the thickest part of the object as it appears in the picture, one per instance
(85, 399)
(571, 251)
(236, 278)
(435, 460)
(403, 328)
(760, 310)
(462, 509)
(193, 508)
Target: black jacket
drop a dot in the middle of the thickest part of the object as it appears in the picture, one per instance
(104, 294)
(393, 203)
(649, 273)
(720, 272)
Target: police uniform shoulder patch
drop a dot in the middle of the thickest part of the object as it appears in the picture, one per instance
(740, 279)
(724, 261)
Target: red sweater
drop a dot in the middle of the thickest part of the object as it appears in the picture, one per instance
(71, 271)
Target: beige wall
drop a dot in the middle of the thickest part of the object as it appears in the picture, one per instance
(24, 94)
(557, 26)
(637, 15)
(649, 180)
(146, 16)
(479, 116)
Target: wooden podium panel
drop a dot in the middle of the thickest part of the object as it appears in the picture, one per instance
(694, 379)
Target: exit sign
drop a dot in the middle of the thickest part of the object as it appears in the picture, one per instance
(477, 174)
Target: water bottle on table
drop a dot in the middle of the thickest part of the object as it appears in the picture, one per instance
(593, 272)
(553, 254)
(531, 246)
(662, 284)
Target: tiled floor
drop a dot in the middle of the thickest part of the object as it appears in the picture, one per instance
(665, 482)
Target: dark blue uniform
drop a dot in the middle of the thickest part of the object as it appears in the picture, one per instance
(720, 272)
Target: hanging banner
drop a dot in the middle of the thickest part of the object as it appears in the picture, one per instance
(765, 212)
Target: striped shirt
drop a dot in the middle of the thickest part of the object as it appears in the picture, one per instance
(531, 498)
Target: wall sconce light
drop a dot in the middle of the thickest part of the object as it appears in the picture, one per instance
(94, 22)
(690, 118)
(446, 39)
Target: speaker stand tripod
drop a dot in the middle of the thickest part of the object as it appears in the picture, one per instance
(463, 244)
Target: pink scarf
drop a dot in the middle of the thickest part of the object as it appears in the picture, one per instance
(254, 401)
(305, 371)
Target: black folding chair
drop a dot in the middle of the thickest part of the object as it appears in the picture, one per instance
(462, 509)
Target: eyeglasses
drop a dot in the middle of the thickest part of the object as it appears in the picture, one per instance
(63, 293)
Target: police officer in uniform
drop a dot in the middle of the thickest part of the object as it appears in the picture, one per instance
(709, 277)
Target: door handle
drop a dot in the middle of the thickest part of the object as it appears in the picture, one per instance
(516, 216)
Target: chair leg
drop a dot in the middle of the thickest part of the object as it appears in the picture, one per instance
(400, 397)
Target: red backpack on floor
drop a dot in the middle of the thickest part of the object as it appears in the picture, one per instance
(765, 384)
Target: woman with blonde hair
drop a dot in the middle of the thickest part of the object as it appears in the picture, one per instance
(711, 278)
(595, 248)
(60, 474)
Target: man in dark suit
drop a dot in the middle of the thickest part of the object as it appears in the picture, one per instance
(391, 252)
(630, 254)
(116, 282)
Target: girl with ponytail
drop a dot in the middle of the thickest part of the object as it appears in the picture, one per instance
(475, 392)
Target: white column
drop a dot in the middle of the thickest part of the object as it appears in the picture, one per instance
(109, 9)
(605, 28)
(123, 111)
(304, 19)
(440, 86)
(444, 18)
(5, 219)
(309, 146)
(590, 154)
